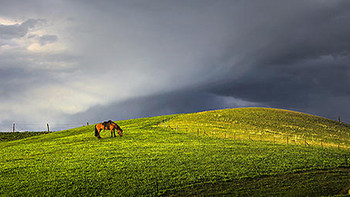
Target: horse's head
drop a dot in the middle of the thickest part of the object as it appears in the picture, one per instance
(120, 130)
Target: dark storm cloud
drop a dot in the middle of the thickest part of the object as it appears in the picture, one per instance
(285, 54)
(298, 62)
(183, 101)
(291, 86)
(124, 59)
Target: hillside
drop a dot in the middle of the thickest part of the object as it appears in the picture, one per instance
(9, 136)
(266, 124)
(177, 155)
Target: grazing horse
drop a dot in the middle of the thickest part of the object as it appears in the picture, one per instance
(108, 125)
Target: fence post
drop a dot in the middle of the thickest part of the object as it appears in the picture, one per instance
(87, 123)
(48, 127)
(13, 127)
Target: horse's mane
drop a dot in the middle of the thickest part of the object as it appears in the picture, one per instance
(111, 122)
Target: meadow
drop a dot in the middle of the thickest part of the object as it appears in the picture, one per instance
(9, 136)
(183, 155)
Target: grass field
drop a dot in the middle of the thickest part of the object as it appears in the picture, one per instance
(153, 159)
(9, 136)
(265, 124)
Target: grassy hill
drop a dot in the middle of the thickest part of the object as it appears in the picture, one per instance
(184, 154)
(266, 124)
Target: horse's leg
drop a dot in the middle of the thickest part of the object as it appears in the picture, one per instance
(111, 132)
(114, 132)
(99, 130)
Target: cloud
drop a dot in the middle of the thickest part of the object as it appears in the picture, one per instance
(137, 57)
(35, 71)
(296, 62)
(18, 30)
(183, 101)
(46, 39)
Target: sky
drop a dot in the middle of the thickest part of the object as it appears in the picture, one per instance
(71, 62)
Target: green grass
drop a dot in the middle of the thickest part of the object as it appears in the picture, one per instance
(152, 160)
(266, 124)
(9, 136)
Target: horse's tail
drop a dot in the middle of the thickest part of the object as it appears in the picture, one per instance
(96, 132)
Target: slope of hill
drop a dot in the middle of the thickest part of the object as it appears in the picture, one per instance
(9, 136)
(266, 124)
(151, 159)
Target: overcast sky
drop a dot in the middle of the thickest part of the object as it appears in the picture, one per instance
(68, 62)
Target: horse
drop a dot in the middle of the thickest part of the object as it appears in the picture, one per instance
(108, 125)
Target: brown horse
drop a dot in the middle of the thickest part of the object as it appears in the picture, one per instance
(108, 125)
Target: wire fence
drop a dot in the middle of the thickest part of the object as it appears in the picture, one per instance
(49, 127)
(213, 132)
(284, 138)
